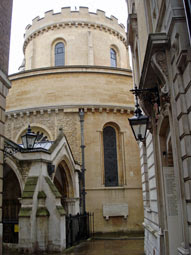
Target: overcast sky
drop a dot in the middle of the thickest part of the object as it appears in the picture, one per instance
(25, 10)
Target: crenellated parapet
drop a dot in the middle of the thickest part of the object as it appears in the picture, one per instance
(74, 19)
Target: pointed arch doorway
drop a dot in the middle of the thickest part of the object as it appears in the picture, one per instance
(11, 205)
(63, 182)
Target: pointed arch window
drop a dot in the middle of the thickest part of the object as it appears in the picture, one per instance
(110, 156)
(59, 54)
(113, 58)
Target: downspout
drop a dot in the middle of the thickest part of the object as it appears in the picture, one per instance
(83, 191)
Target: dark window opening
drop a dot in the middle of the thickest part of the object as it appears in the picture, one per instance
(110, 157)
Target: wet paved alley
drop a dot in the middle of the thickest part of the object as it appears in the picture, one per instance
(103, 247)
(109, 247)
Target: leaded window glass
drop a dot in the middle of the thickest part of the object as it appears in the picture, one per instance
(113, 58)
(59, 54)
(110, 157)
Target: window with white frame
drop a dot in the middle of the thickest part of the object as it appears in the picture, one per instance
(113, 57)
(59, 52)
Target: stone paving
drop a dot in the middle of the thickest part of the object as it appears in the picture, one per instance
(104, 247)
(109, 247)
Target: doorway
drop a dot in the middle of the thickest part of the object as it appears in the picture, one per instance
(11, 205)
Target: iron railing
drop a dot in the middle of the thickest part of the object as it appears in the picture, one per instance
(79, 227)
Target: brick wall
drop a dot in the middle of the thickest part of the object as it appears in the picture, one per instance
(5, 26)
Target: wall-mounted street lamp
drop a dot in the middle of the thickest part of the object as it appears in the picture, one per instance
(28, 139)
(139, 122)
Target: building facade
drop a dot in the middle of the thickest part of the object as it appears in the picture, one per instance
(78, 62)
(159, 37)
(5, 26)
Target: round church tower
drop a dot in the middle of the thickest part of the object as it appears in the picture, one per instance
(79, 60)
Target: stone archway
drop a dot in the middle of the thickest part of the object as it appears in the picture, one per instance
(11, 205)
(63, 182)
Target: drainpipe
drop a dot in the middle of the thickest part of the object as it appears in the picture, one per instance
(83, 191)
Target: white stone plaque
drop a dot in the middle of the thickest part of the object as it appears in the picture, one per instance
(174, 223)
(171, 192)
(112, 210)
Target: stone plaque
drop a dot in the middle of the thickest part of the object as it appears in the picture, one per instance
(112, 210)
(171, 193)
(174, 223)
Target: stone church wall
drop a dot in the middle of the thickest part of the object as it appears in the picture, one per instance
(90, 34)
(49, 97)
(129, 189)
(50, 123)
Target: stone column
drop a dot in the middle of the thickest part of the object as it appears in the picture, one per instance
(5, 26)
(41, 217)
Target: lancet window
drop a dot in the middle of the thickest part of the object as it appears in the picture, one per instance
(110, 156)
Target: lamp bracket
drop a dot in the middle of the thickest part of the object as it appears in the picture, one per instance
(139, 91)
(147, 94)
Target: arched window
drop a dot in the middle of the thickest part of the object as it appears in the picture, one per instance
(110, 156)
(113, 58)
(59, 54)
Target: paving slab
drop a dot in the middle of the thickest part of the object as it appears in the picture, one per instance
(109, 247)
(102, 247)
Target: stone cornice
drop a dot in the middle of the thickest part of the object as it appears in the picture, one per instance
(155, 69)
(156, 42)
(69, 109)
(71, 69)
(74, 24)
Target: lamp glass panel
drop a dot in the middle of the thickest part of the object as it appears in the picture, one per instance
(30, 141)
(142, 129)
(139, 126)
(24, 141)
(139, 130)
